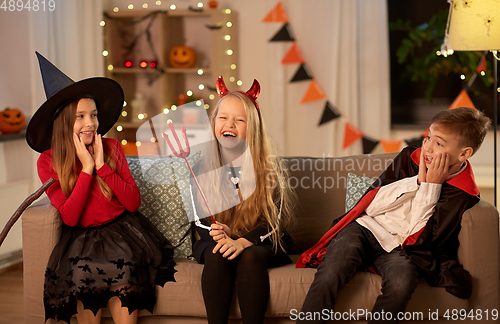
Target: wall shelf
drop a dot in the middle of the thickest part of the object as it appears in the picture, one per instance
(12, 137)
(150, 35)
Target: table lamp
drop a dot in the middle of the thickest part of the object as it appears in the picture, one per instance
(475, 26)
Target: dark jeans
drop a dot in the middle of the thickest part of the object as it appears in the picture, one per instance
(351, 249)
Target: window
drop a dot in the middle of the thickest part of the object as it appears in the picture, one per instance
(409, 106)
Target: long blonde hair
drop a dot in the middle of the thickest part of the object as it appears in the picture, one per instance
(64, 159)
(272, 200)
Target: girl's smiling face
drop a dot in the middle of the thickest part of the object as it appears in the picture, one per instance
(231, 120)
(441, 142)
(86, 122)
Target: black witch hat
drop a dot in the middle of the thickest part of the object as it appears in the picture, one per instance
(61, 91)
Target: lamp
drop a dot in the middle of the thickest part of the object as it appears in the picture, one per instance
(475, 26)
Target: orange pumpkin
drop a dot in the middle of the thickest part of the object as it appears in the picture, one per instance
(11, 121)
(213, 4)
(182, 57)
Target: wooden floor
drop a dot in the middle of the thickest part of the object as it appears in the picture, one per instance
(11, 295)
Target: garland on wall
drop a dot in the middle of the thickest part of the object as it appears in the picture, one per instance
(330, 111)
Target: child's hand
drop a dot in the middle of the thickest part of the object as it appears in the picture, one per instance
(219, 231)
(438, 170)
(83, 155)
(98, 151)
(230, 248)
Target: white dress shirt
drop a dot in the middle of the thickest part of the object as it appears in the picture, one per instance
(401, 209)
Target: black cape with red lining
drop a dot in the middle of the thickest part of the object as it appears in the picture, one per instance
(434, 248)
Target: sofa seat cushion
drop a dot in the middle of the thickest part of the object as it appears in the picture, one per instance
(289, 285)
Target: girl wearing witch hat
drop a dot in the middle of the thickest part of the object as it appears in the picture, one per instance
(108, 254)
(251, 237)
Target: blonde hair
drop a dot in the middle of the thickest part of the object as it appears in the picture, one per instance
(271, 201)
(64, 159)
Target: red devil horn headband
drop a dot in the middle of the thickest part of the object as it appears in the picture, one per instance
(252, 93)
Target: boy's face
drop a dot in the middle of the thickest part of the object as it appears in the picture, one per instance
(440, 141)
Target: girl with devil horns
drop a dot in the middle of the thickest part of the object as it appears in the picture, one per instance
(250, 237)
(108, 254)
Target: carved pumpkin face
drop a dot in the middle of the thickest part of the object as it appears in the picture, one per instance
(182, 57)
(11, 121)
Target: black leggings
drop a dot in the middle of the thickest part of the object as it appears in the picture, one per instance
(248, 271)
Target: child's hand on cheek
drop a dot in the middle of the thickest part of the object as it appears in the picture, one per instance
(83, 155)
(98, 151)
(439, 169)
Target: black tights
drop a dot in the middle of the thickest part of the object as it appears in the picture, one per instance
(249, 271)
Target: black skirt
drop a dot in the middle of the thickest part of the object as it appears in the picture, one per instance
(89, 264)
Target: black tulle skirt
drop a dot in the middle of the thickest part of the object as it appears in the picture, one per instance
(89, 264)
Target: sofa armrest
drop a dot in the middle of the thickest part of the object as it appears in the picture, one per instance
(479, 254)
(41, 227)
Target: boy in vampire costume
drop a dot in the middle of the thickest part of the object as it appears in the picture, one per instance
(407, 223)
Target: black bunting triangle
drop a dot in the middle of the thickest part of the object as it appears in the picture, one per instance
(283, 35)
(369, 145)
(417, 141)
(329, 113)
(301, 74)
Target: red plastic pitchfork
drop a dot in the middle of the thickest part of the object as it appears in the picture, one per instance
(184, 155)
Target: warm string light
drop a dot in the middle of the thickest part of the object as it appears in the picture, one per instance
(153, 64)
(445, 53)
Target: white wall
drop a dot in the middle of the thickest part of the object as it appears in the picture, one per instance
(16, 167)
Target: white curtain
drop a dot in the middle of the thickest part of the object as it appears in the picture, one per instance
(345, 47)
(71, 38)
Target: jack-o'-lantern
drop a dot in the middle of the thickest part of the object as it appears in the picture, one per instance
(182, 57)
(11, 121)
(213, 4)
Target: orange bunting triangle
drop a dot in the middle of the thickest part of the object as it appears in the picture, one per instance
(293, 55)
(313, 93)
(462, 100)
(351, 135)
(425, 133)
(391, 146)
(277, 14)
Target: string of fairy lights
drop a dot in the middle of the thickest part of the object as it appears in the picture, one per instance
(227, 50)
